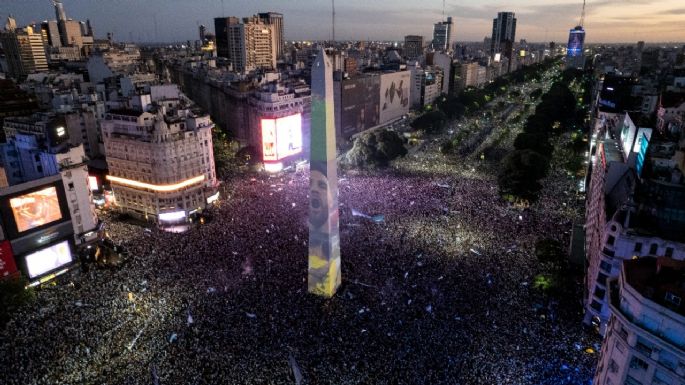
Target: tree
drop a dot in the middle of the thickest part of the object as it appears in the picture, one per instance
(533, 141)
(431, 122)
(375, 149)
(451, 106)
(520, 173)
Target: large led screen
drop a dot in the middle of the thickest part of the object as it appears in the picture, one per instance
(627, 136)
(36, 209)
(281, 137)
(48, 259)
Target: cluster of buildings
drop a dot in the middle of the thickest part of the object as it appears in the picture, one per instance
(635, 216)
(97, 129)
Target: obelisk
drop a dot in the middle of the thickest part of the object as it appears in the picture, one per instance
(324, 238)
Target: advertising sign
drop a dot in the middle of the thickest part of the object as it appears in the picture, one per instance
(281, 137)
(576, 38)
(36, 208)
(394, 100)
(642, 134)
(7, 265)
(627, 136)
(359, 104)
(642, 153)
(48, 259)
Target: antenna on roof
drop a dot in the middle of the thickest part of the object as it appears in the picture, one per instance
(582, 15)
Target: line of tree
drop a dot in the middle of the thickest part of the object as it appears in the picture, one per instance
(522, 170)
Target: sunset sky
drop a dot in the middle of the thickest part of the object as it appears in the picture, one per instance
(538, 20)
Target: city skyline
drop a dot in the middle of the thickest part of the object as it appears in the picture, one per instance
(608, 21)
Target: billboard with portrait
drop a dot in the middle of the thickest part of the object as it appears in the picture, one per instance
(576, 38)
(394, 96)
(48, 259)
(281, 137)
(359, 104)
(36, 208)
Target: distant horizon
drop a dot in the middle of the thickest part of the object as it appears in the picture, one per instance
(151, 21)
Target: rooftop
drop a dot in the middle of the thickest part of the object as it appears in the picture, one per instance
(661, 280)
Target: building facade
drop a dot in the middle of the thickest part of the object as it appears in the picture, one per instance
(442, 35)
(413, 46)
(24, 52)
(645, 341)
(160, 161)
(503, 36)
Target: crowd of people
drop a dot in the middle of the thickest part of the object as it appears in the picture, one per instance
(440, 291)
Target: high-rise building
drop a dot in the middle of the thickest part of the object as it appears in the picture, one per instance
(248, 45)
(221, 31)
(160, 157)
(276, 21)
(503, 35)
(575, 57)
(203, 31)
(645, 340)
(413, 46)
(442, 35)
(51, 29)
(24, 52)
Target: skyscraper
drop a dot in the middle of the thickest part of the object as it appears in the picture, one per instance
(574, 51)
(248, 45)
(276, 21)
(221, 31)
(442, 35)
(413, 46)
(503, 35)
(203, 31)
(24, 52)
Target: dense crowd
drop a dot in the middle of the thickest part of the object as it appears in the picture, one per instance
(439, 292)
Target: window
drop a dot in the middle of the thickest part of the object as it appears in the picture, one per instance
(652, 249)
(638, 247)
(599, 292)
(644, 348)
(602, 278)
(631, 381)
(613, 366)
(669, 252)
(596, 305)
(611, 240)
(637, 363)
(672, 299)
(606, 266)
(71, 186)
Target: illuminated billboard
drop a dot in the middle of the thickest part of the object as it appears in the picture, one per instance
(281, 137)
(36, 209)
(394, 95)
(48, 259)
(576, 38)
(642, 134)
(7, 265)
(627, 136)
(643, 141)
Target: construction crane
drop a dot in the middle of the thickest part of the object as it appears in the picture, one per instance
(582, 16)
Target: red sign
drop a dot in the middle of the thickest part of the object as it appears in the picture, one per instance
(7, 265)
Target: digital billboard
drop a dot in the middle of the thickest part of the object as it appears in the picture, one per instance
(36, 208)
(642, 153)
(627, 136)
(7, 265)
(359, 104)
(281, 137)
(394, 97)
(576, 38)
(642, 134)
(48, 259)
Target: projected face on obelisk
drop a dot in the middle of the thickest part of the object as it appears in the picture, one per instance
(324, 239)
(318, 200)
